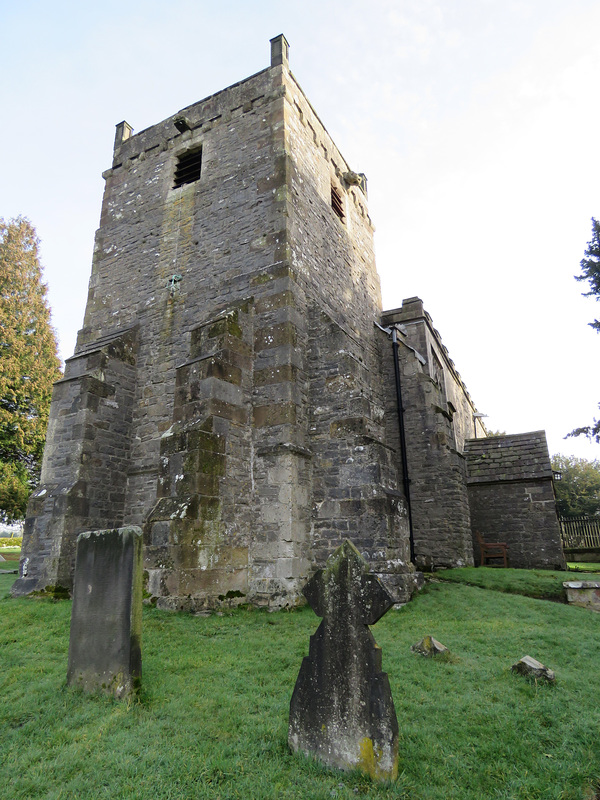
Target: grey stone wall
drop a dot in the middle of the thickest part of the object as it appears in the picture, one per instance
(355, 476)
(512, 498)
(434, 429)
(215, 233)
(86, 460)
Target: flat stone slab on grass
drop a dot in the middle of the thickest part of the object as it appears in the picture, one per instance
(106, 621)
(342, 710)
(585, 594)
(531, 668)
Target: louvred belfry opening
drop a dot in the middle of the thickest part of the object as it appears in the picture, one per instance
(188, 168)
(337, 203)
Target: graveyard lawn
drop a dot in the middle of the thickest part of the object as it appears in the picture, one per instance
(543, 584)
(213, 715)
(577, 566)
(10, 553)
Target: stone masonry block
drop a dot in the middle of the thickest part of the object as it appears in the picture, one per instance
(274, 301)
(283, 333)
(280, 414)
(285, 372)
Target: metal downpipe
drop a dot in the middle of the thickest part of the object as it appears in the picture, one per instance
(400, 406)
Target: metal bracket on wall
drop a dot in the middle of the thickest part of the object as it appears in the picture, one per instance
(173, 284)
(401, 329)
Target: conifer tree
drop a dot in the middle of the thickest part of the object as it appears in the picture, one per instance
(590, 267)
(590, 271)
(29, 365)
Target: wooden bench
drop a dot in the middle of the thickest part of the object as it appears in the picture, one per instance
(491, 550)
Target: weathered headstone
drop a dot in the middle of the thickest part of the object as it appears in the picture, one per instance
(532, 668)
(106, 621)
(342, 710)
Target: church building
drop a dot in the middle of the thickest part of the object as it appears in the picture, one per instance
(238, 392)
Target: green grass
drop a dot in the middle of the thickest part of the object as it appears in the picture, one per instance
(212, 721)
(12, 553)
(578, 566)
(542, 584)
(11, 556)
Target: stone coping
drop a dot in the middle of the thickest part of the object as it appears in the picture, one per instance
(581, 584)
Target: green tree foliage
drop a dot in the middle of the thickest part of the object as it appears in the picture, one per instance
(578, 493)
(590, 271)
(590, 267)
(28, 365)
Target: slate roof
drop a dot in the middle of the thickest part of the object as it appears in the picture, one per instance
(516, 457)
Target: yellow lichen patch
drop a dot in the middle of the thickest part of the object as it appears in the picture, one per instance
(370, 762)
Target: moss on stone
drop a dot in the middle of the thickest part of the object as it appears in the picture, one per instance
(230, 595)
(264, 277)
(209, 508)
(370, 762)
(227, 324)
(54, 592)
(211, 463)
(212, 442)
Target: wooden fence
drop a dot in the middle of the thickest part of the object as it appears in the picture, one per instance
(580, 533)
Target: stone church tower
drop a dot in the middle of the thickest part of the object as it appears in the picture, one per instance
(237, 391)
(226, 391)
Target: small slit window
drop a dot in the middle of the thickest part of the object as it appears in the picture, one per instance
(436, 370)
(337, 203)
(188, 168)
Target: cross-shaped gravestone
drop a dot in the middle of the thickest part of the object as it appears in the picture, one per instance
(342, 710)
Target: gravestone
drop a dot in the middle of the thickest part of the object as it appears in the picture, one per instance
(342, 711)
(429, 647)
(531, 668)
(106, 621)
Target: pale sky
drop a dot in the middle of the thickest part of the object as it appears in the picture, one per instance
(475, 121)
